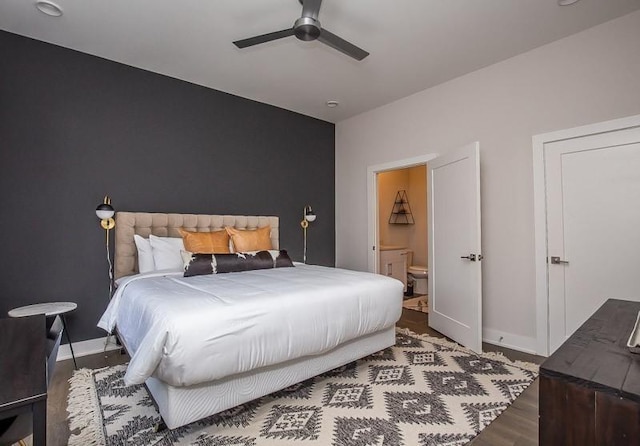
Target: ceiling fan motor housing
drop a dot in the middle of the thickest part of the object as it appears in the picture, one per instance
(307, 28)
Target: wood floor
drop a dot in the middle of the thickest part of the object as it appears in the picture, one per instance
(516, 426)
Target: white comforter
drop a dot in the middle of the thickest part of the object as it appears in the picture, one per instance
(189, 330)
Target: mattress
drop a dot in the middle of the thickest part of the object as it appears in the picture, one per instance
(186, 331)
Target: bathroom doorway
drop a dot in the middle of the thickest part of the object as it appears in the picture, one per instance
(454, 239)
(402, 231)
(391, 226)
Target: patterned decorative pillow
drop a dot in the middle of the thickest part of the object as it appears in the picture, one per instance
(196, 264)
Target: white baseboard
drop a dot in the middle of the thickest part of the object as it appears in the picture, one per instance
(84, 348)
(524, 344)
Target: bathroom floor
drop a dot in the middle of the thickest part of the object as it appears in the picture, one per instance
(417, 302)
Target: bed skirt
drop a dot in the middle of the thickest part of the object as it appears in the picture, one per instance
(183, 405)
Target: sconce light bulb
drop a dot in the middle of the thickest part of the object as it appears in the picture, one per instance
(104, 213)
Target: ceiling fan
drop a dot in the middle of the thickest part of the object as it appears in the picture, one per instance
(308, 28)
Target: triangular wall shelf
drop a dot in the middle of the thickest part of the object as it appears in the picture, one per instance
(401, 211)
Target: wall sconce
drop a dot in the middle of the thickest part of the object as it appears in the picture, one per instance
(105, 213)
(307, 216)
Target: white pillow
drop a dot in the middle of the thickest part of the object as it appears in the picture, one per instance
(166, 252)
(145, 254)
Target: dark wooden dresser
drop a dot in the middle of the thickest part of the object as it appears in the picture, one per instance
(590, 387)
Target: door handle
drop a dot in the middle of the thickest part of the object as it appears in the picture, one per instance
(557, 261)
(471, 257)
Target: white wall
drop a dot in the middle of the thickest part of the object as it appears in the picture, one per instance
(589, 77)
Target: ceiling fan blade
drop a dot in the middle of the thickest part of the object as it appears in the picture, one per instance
(263, 38)
(338, 43)
(311, 8)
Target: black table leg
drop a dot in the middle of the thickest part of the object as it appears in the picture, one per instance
(40, 423)
(64, 325)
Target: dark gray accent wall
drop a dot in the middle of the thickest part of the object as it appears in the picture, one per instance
(75, 127)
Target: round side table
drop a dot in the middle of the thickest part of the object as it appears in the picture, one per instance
(49, 309)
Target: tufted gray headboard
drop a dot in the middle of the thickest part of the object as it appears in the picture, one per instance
(167, 225)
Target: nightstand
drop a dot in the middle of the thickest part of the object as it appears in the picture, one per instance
(23, 372)
(50, 310)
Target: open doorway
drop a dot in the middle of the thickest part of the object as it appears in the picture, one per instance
(399, 238)
(453, 239)
(373, 223)
(402, 231)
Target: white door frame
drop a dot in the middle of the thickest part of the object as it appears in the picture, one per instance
(540, 213)
(373, 258)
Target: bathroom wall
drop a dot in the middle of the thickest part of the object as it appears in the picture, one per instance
(389, 183)
(413, 181)
(417, 193)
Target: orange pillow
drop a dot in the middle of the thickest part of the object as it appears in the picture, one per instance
(216, 242)
(255, 240)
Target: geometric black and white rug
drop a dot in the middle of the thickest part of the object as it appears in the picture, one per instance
(424, 391)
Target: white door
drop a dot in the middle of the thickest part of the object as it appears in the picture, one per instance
(593, 226)
(455, 272)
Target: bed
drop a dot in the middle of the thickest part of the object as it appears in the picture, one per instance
(208, 343)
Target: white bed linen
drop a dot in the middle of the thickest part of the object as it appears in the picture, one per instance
(186, 331)
(182, 405)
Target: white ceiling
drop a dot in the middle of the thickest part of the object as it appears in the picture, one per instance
(414, 44)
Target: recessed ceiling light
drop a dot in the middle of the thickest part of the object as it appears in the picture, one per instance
(49, 8)
(567, 2)
(332, 104)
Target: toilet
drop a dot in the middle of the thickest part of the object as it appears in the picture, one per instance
(419, 274)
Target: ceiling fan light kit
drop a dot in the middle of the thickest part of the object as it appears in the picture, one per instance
(49, 8)
(307, 28)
